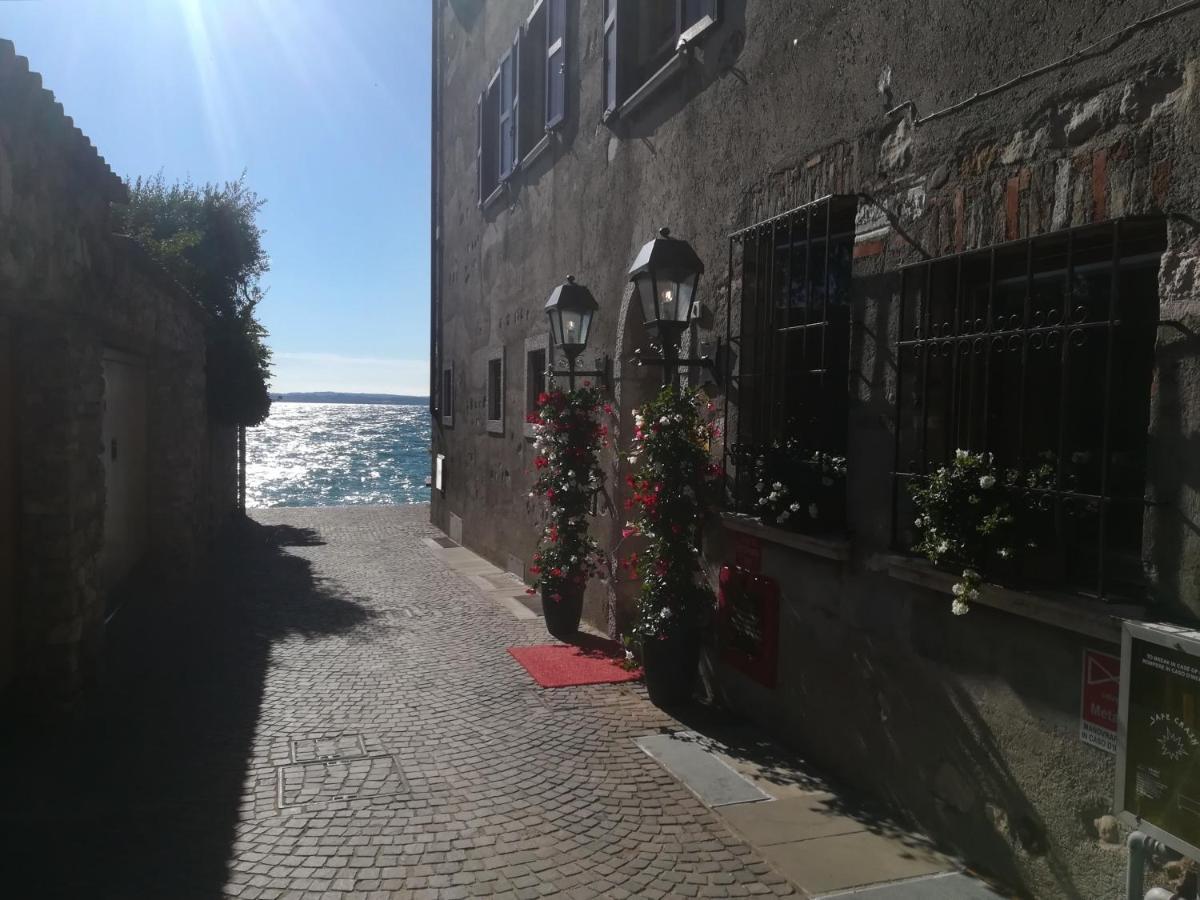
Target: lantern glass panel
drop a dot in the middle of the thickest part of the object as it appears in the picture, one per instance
(573, 333)
(645, 286)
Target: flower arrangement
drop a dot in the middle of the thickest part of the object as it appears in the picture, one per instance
(973, 514)
(568, 437)
(672, 485)
(795, 487)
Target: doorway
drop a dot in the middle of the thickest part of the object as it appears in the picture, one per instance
(123, 441)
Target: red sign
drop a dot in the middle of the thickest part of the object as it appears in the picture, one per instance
(748, 612)
(747, 552)
(1100, 698)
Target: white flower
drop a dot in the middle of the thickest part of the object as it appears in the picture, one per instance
(812, 510)
(679, 417)
(959, 589)
(774, 495)
(760, 487)
(629, 656)
(633, 460)
(777, 486)
(664, 421)
(987, 482)
(961, 455)
(665, 614)
(795, 507)
(1004, 553)
(570, 473)
(971, 574)
(919, 522)
(943, 547)
(973, 594)
(959, 608)
(762, 501)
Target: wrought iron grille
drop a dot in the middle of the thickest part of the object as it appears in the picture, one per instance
(1041, 352)
(789, 280)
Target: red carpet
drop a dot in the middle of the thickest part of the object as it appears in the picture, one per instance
(590, 660)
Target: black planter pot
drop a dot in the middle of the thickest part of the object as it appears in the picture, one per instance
(670, 666)
(562, 615)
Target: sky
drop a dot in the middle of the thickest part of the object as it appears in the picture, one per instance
(324, 104)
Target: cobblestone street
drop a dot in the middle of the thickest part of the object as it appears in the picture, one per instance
(332, 713)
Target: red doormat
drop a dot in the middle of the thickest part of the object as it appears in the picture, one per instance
(590, 660)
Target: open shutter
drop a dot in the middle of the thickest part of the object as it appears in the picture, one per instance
(556, 61)
(514, 119)
(483, 191)
(695, 16)
(506, 84)
(611, 99)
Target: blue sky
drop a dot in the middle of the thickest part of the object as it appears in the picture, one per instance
(325, 104)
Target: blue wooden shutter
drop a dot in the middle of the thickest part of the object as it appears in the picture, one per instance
(479, 147)
(556, 62)
(506, 136)
(611, 100)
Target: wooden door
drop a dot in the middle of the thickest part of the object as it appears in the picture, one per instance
(123, 439)
(9, 621)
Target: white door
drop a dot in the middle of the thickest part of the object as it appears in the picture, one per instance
(123, 433)
(8, 513)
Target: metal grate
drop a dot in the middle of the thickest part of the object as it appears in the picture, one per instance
(1041, 352)
(790, 278)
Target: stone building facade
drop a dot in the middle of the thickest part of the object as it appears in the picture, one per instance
(107, 459)
(943, 188)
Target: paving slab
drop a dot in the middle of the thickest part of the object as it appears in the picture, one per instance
(707, 776)
(947, 886)
(790, 819)
(826, 864)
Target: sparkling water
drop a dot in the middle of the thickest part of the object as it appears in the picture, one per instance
(328, 454)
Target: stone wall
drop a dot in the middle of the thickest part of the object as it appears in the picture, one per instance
(69, 290)
(969, 727)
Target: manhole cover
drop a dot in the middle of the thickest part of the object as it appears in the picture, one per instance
(445, 542)
(339, 746)
(339, 779)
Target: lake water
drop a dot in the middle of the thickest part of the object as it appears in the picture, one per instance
(329, 454)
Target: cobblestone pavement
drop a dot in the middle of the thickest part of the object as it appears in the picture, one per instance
(332, 713)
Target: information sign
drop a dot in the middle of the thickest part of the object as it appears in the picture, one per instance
(1158, 739)
(1100, 696)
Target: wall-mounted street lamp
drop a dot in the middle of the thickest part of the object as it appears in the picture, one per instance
(570, 310)
(666, 273)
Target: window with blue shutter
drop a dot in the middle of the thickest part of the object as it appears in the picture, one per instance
(506, 122)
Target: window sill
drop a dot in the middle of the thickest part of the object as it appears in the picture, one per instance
(535, 151)
(1087, 617)
(673, 66)
(500, 191)
(837, 549)
(527, 431)
(495, 426)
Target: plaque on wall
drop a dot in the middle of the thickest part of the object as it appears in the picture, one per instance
(748, 610)
(1158, 734)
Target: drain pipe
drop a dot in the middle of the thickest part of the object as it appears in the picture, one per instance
(1141, 846)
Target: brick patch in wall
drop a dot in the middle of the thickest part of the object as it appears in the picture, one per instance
(1160, 178)
(868, 248)
(1100, 185)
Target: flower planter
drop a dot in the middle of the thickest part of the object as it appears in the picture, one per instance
(670, 665)
(562, 616)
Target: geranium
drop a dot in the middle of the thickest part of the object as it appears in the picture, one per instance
(671, 488)
(567, 438)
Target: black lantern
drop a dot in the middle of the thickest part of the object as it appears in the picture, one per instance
(666, 273)
(570, 310)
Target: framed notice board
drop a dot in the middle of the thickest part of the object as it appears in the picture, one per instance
(1158, 734)
(748, 613)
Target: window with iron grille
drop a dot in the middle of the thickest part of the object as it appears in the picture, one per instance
(1039, 352)
(643, 39)
(495, 393)
(447, 397)
(786, 440)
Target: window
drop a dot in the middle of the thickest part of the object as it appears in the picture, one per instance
(1040, 352)
(525, 98)
(447, 397)
(495, 393)
(537, 352)
(499, 109)
(791, 388)
(643, 43)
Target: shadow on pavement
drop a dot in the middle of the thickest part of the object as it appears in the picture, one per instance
(141, 797)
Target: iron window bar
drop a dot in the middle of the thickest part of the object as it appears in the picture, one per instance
(950, 350)
(790, 275)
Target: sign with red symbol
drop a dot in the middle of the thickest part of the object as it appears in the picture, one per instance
(1100, 700)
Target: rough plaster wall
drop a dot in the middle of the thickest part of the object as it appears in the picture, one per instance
(69, 289)
(969, 725)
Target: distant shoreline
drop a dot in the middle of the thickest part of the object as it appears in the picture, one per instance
(336, 397)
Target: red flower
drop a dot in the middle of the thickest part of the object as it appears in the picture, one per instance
(543, 398)
(550, 493)
(533, 570)
(608, 410)
(541, 462)
(556, 572)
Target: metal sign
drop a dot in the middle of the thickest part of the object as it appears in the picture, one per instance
(1099, 700)
(1158, 734)
(748, 613)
